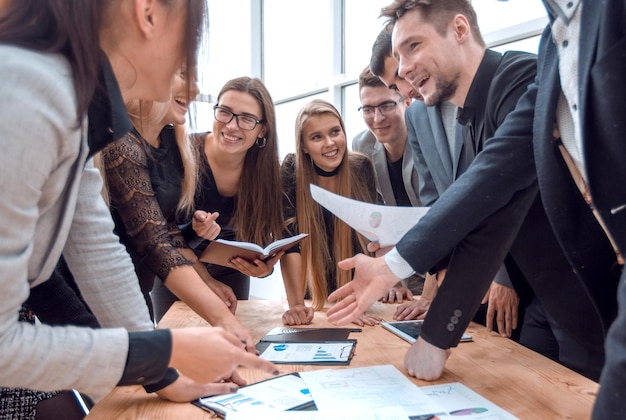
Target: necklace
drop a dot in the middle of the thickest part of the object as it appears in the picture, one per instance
(324, 173)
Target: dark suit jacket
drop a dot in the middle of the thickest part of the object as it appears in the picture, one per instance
(483, 214)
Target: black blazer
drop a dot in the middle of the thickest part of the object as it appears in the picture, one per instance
(486, 211)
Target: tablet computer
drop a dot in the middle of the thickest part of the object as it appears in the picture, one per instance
(410, 330)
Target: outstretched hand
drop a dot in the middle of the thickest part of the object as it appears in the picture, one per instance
(372, 279)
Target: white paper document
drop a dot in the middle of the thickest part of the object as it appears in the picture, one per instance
(460, 401)
(368, 388)
(383, 224)
(389, 413)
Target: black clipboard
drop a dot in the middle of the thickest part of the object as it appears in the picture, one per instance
(221, 405)
(320, 356)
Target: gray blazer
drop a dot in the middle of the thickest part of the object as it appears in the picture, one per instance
(367, 144)
(436, 166)
(51, 204)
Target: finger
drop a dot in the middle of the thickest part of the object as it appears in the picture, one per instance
(287, 319)
(373, 246)
(237, 379)
(218, 388)
(212, 216)
(340, 293)
(255, 362)
(490, 316)
(345, 313)
(347, 264)
(501, 326)
(409, 294)
(200, 215)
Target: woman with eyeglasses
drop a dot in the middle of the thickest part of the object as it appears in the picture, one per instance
(321, 158)
(239, 179)
(151, 175)
(67, 68)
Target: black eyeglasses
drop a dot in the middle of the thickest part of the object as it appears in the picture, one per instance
(369, 111)
(244, 121)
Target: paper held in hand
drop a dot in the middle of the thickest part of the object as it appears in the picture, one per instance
(383, 224)
(222, 251)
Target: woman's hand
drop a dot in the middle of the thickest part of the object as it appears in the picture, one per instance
(205, 225)
(366, 319)
(298, 315)
(256, 268)
(185, 389)
(397, 294)
(224, 292)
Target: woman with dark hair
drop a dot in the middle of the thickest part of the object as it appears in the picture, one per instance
(321, 158)
(62, 60)
(239, 170)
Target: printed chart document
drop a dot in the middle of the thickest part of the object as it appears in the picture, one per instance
(383, 224)
(315, 353)
(459, 401)
(367, 388)
(221, 251)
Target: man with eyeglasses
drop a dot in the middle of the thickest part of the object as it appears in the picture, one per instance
(385, 142)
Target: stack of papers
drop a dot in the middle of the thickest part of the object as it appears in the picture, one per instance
(368, 393)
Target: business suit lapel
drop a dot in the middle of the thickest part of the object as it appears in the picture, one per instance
(382, 173)
(439, 145)
(409, 176)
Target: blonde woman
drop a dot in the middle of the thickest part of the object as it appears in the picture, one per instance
(322, 159)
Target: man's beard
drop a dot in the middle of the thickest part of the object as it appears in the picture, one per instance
(444, 90)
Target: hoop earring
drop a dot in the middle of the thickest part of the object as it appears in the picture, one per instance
(261, 142)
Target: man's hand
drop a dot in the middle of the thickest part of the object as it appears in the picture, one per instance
(204, 224)
(185, 389)
(298, 315)
(412, 310)
(503, 304)
(397, 294)
(372, 279)
(425, 361)
(375, 248)
(208, 354)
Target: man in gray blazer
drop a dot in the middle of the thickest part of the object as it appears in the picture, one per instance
(386, 141)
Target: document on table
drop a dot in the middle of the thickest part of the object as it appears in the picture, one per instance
(368, 388)
(459, 400)
(383, 224)
(388, 413)
(330, 352)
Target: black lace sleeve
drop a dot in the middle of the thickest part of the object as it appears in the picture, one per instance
(151, 239)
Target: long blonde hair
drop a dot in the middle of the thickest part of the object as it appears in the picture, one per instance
(316, 255)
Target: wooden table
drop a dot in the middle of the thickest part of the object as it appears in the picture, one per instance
(519, 380)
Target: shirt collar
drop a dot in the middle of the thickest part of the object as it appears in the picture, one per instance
(562, 9)
(474, 106)
(108, 118)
